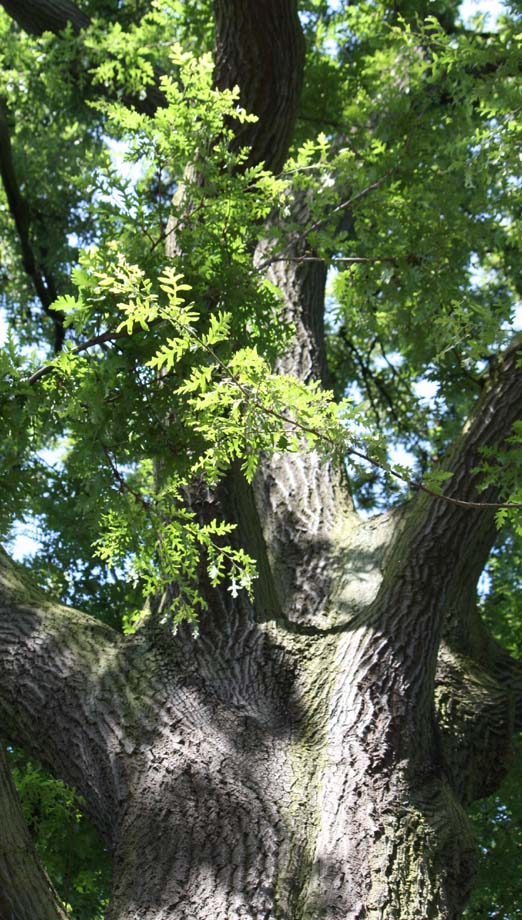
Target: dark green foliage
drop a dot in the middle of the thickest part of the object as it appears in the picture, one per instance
(498, 825)
(498, 819)
(75, 858)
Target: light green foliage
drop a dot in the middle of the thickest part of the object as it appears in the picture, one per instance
(234, 407)
(418, 151)
(411, 199)
(433, 184)
(178, 396)
(94, 400)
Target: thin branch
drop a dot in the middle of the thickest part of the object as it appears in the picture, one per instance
(288, 420)
(371, 378)
(354, 259)
(385, 357)
(335, 259)
(323, 122)
(42, 282)
(122, 482)
(109, 336)
(367, 376)
(419, 486)
(351, 451)
(343, 206)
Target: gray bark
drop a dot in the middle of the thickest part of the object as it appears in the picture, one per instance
(308, 755)
(284, 766)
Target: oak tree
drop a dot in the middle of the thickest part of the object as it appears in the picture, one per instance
(241, 241)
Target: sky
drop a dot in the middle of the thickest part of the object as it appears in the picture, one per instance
(27, 543)
(492, 8)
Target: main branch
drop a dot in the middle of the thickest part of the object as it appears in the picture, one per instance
(58, 667)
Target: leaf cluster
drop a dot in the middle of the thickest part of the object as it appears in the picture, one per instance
(72, 852)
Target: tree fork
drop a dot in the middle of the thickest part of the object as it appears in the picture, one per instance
(298, 759)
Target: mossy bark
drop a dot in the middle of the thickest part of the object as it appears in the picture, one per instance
(308, 755)
(274, 766)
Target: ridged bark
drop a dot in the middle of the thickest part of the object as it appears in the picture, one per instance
(260, 48)
(308, 756)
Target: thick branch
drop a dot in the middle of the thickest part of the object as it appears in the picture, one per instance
(436, 553)
(38, 16)
(58, 667)
(454, 542)
(479, 697)
(476, 717)
(440, 549)
(260, 48)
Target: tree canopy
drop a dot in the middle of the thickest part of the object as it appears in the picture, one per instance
(152, 200)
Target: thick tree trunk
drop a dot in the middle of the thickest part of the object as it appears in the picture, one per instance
(279, 768)
(307, 756)
(299, 759)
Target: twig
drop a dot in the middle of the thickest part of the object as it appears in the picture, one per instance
(280, 416)
(109, 336)
(324, 220)
(342, 259)
(122, 482)
(412, 483)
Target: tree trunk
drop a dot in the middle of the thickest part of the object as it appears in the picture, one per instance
(305, 757)
(309, 755)
(277, 766)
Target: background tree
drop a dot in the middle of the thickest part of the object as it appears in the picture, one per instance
(282, 695)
